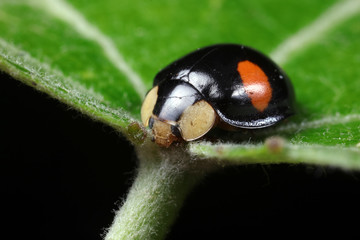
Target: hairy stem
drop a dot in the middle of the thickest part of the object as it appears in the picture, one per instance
(154, 200)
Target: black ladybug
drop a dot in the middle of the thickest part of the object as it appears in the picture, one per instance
(227, 85)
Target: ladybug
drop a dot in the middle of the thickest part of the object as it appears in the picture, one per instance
(227, 85)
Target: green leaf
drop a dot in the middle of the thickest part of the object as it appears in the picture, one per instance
(100, 58)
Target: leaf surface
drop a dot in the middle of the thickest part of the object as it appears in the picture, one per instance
(100, 57)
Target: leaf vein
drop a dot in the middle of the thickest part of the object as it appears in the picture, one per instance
(67, 13)
(332, 17)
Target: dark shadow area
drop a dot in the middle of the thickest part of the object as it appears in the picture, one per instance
(260, 202)
(63, 175)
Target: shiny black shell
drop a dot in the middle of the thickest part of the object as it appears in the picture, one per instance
(210, 73)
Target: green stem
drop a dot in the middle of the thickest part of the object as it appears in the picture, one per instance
(163, 180)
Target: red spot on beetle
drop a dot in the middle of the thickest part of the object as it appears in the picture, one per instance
(256, 84)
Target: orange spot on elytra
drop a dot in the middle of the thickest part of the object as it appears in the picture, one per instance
(256, 84)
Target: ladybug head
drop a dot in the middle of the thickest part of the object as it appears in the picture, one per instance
(175, 110)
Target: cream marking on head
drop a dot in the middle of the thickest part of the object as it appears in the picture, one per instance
(197, 120)
(148, 105)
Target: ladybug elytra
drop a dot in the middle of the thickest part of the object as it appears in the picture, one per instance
(228, 85)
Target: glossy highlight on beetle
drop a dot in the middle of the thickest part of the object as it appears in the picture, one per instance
(226, 85)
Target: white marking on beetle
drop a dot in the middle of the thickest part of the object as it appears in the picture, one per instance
(75, 19)
(333, 16)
